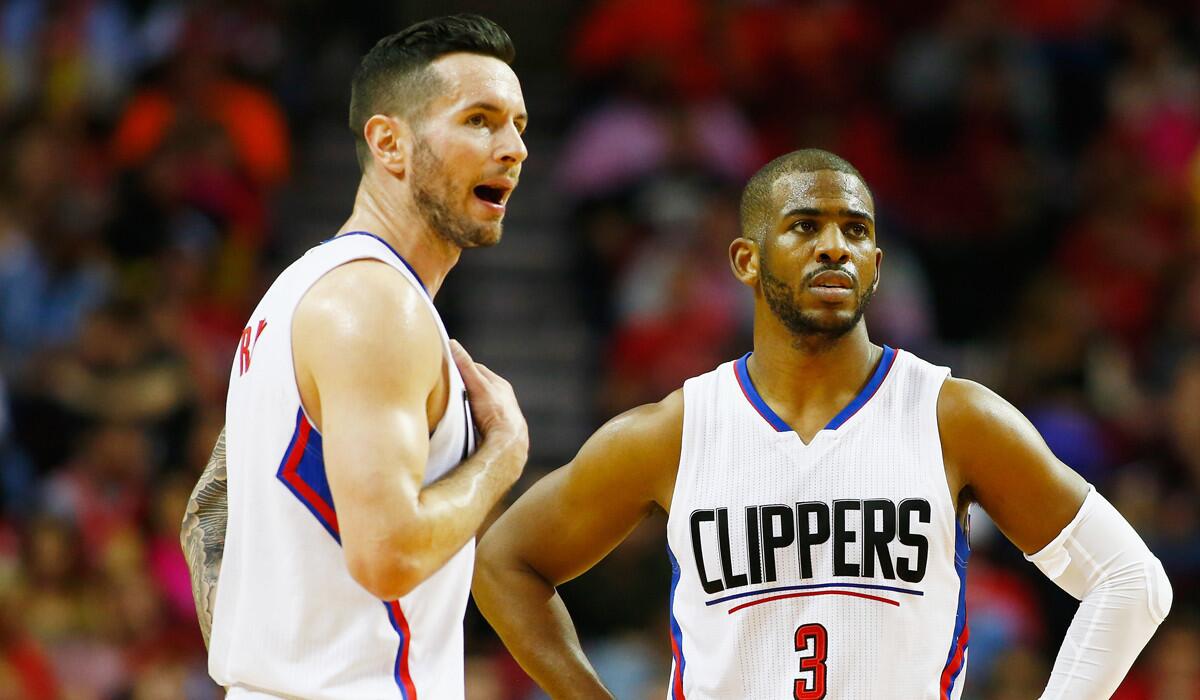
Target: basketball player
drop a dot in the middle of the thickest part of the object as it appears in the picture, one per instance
(354, 484)
(817, 492)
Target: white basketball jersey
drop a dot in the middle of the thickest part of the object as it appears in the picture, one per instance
(289, 621)
(834, 569)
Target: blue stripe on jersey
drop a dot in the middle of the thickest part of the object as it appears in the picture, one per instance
(302, 471)
(389, 247)
(815, 585)
(962, 553)
(881, 372)
(400, 667)
(676, 633)
(743, 375)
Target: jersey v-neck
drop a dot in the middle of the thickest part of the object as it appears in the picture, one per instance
(886, 360)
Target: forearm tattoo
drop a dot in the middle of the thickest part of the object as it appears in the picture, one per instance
(203, 534)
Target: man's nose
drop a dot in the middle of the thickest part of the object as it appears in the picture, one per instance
(831, 245)
(511, 149)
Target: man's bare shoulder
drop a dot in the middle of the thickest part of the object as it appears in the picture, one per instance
(367, 291)
(969, 414)
(996, 457)
(362, 320)
(644, 441)
(649, 423)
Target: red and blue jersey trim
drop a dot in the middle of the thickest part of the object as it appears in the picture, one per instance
(868, 392)
(956, 658)
(676, 635)
(302, 471)
(404, 681)
(814, 589)
(742, 370)
(756, 399)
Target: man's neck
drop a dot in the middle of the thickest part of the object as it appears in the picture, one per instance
(393, 216)
(802, 376)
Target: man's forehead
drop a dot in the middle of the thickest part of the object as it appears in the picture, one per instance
(808, 189)
(473, 78)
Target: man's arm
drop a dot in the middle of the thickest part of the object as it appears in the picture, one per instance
(369, 365)
(203, 534)
(1074, 536)
(561, 527)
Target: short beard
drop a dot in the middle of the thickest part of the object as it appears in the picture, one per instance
(809, 329)
(432, 196)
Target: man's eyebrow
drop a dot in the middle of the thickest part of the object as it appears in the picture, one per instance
(856, 214)
(813, 211)
(489, 107)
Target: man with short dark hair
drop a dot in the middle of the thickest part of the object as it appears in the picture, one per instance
(348, 469)
(817, 492)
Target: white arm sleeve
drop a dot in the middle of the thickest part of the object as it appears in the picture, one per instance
(1124, 594)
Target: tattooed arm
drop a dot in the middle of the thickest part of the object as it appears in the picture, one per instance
(203, 534)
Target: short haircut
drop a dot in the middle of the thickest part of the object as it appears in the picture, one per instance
(395, 76)
(756, 197)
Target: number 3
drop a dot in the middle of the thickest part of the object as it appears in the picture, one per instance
(815, 663)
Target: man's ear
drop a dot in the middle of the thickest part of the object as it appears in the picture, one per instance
(390, 141)
(878, 268)
(744, 260)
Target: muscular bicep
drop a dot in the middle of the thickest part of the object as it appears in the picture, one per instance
(1005, 466)
(573, 517)
(370, 354)
(567, 527)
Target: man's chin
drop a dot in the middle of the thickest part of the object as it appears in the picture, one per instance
(822, 325)
(492, 235)
(829, 330)
(484, 237)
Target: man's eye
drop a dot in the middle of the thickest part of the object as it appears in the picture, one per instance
(858, 229)
(477, 120)
(805, 225)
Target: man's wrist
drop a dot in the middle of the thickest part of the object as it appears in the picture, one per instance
(507, 441)
(505, 452)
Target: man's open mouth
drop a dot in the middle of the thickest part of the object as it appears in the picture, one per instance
(493, 195)
(495, 192)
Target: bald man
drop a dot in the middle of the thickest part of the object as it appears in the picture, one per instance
(817, 492)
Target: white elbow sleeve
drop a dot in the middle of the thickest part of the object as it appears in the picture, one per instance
(1099, 559)
(1100, 546)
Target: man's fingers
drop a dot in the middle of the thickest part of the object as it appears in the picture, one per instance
(458, 351)
(487, 371)
(479, 380)
(466, 366)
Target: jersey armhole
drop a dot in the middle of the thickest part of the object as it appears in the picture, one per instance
(931, 396)
(686, 436)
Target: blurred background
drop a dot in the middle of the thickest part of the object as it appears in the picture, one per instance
(1037, 176)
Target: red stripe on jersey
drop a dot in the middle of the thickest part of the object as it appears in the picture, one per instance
(402, 674)
(297, 482)
(760, 601)
(677, 676)
(955, 663)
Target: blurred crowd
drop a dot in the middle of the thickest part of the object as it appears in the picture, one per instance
(141, 146)
(1036, 171)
